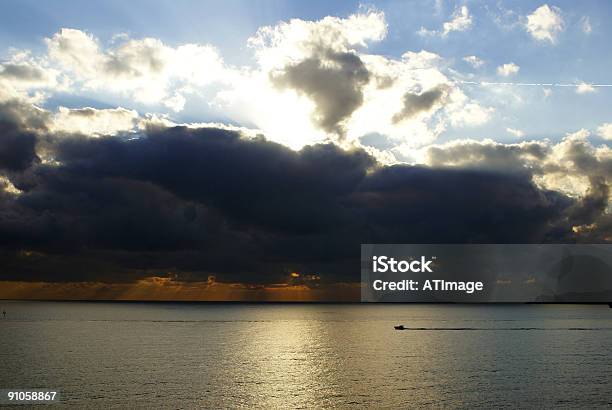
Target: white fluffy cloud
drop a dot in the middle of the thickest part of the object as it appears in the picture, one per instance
(569, 166)
(605, 131)
(28, 78)
(506, 70)
(517, 133)
(292, 41)
(545, 23)
(144, 69)
(94, 122)
(474, 61)
(461, 20)
(473, 114)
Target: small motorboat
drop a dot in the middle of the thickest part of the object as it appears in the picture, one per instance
(399, 327)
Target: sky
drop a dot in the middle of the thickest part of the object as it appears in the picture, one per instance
(144, 144)
(572, 50)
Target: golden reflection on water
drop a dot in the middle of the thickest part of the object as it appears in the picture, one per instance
(313, 363)
(288, 361)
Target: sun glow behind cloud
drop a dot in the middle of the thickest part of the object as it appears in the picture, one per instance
(293, 112)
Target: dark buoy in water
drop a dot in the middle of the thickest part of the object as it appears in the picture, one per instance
(610, 305)
(399, 327)
(4, 313)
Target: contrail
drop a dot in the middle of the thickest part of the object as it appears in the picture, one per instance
(486, 83)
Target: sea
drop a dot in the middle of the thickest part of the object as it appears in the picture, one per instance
(305, 356)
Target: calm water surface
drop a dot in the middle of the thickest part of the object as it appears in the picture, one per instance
(309, 356)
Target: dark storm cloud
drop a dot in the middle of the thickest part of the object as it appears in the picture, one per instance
(17, 147)
(587, 219)
(424, 205)
(254, 181)
(333, 81)
(23, 116)
(201, 201)
(588, 215)
(593, 204)
(416, 103)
